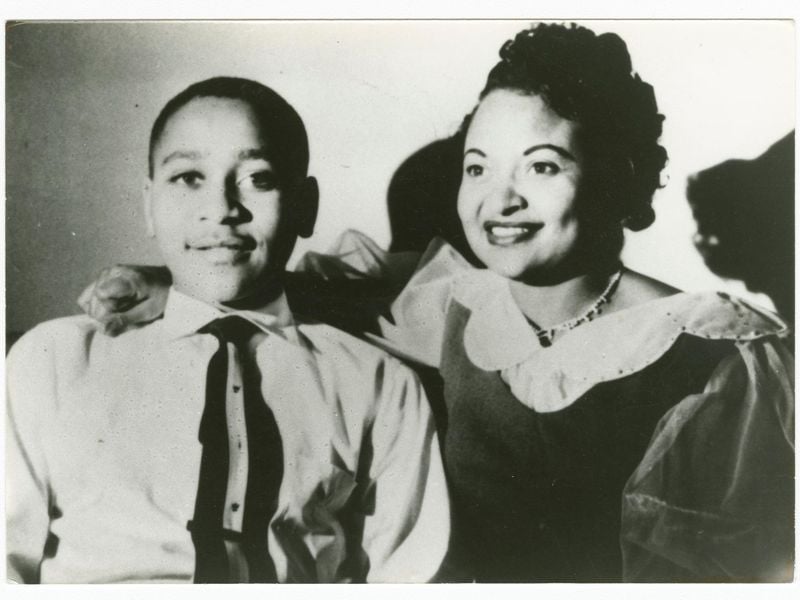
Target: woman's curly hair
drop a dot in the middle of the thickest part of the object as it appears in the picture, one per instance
(589, 79)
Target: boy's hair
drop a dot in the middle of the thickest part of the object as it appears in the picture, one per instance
(277, 120)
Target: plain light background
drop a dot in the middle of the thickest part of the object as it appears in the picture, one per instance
(81, 97)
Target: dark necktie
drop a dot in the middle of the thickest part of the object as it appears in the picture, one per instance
(226, 553)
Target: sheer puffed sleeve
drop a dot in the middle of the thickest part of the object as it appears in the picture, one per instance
(415, 328)
(355, 255)
(411, 321)
(351, 285)
(713, 498)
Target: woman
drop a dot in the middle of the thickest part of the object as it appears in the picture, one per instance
(599, 425)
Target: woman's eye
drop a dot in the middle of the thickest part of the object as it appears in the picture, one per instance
(474, 170)
(545, 168)
(190, 179)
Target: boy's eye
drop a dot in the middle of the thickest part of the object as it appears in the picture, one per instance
(474, 170)
(190, 179)
(545, 168)
(264, 181)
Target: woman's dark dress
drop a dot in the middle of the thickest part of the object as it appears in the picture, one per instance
(537, 496)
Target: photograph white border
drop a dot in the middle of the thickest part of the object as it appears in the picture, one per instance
(351, 9)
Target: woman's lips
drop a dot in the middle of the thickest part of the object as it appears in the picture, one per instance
(501, 233)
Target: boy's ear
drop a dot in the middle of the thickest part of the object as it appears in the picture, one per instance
(147, 197)
(307, 202)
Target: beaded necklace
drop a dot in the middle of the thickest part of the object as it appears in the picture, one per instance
(546, 336)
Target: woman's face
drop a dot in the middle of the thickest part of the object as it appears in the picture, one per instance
(519, 186)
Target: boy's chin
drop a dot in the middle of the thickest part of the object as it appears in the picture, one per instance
(236, 294)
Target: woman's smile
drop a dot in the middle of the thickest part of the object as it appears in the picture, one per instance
(505, 233)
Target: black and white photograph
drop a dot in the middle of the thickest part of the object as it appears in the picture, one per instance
(459, 301)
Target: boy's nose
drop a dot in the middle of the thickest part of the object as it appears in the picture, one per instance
(221, 203)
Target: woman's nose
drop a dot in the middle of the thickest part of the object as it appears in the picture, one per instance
(511, 199)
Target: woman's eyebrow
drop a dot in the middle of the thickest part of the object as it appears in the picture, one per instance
(557, 149)
(475, 151)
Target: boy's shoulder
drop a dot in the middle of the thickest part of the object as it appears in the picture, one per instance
(58, 331)
(75, 336)
(49, 351)
(347, 353)
(363, 383)
(332, 341)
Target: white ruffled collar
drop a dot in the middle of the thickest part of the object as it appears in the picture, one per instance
(497, 337)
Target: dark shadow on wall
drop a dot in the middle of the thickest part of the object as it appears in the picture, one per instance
(11, 338)
(422, 198)
(744, 211)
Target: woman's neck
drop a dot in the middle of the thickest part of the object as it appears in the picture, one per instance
(549, 305)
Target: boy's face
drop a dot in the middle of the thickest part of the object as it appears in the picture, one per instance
(222, 222)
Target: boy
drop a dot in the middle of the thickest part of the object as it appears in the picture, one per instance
(227, 441)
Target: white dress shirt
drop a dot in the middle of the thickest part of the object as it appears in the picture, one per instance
(103, 454)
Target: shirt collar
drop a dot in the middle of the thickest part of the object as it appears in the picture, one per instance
(184, 315)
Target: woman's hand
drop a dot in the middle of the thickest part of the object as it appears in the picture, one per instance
(125, 296)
